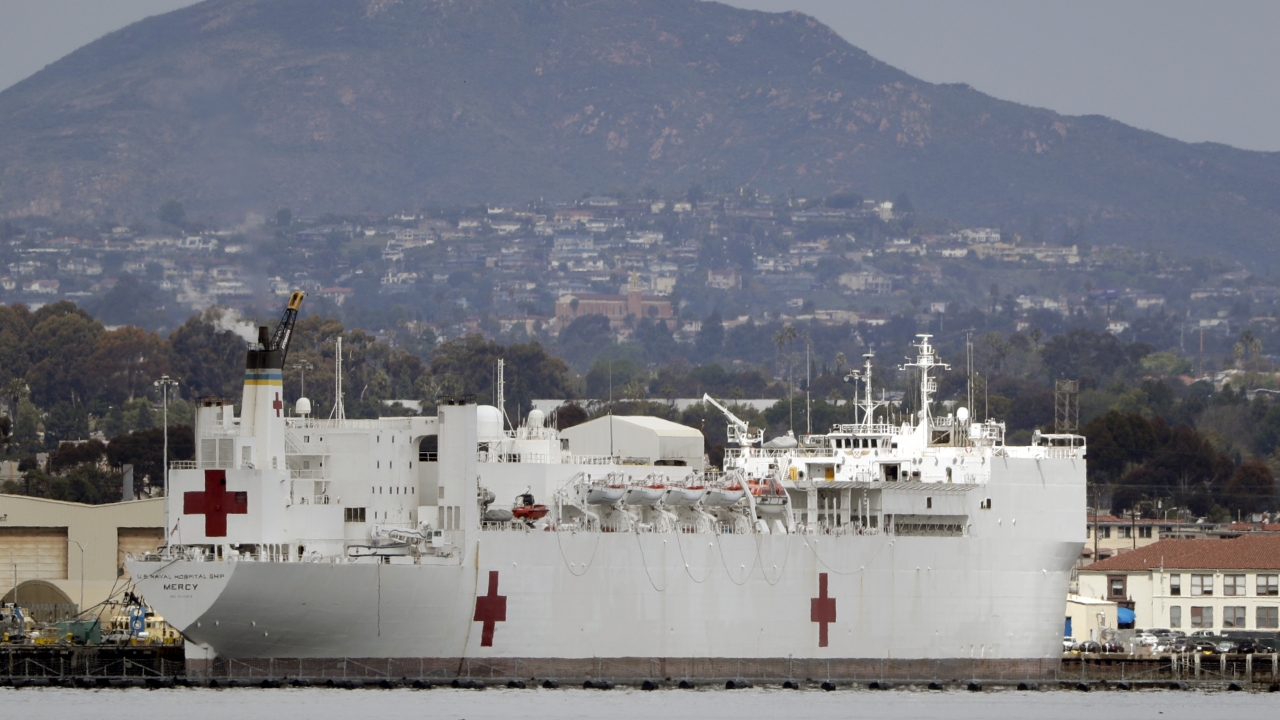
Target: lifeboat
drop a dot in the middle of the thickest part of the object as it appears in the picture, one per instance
(605, 494)
(685, 496)
(529, 512)
(766, 488)
(647, 495)
(724, 497)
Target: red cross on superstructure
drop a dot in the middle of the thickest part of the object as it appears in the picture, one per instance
(822, 610)
(215, 503)
(490, 609)
(277, 404)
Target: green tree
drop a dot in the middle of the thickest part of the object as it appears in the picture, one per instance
(65, 422)
(710, 338)
(469, 364)
(1252, 488)
(172, 212)
(144, 449)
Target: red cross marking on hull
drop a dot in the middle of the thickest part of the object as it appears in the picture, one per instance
(822, 610)
(215, 503)
(277, 404)
(490, 609)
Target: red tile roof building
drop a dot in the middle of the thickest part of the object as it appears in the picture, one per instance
(1189, 585)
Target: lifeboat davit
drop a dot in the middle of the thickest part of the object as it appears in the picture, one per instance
(685, 496)
(647, 495)
(605, 494)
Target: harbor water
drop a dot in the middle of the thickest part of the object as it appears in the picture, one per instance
(672, 704)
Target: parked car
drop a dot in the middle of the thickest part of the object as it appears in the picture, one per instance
(1112, 647)
(1248, 646)
(1202, 645)
(1204, 634)
(1068, 643)
(1088, 646)
(1145, 638)
(1225, 646)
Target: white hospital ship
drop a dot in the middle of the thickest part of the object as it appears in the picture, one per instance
(294, 538)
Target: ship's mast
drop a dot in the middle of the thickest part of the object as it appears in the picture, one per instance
(868, 416)
(502, 396)
(339, 412)
(926, 361)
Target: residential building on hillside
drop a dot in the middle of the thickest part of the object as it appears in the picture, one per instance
(723, 279)
(617, 308)
(867, 282)
(1194, 584)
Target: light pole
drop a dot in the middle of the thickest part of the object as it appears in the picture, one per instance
(81, 608)
(164, 383)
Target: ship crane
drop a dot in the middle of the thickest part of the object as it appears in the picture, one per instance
(739, 431)
(284, 329)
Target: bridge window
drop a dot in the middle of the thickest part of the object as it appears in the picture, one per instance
(353, 514)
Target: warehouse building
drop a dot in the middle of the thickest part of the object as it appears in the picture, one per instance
(63, 556)
(648, 440)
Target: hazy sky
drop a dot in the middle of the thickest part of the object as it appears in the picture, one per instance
(1196, 71)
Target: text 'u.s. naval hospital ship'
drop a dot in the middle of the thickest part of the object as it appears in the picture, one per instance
(293, 538)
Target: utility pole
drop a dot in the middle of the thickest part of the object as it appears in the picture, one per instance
(164, 383)
(1095, 524)
(81, 608)
(1200, 362)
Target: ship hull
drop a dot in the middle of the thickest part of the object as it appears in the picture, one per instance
(994, 593)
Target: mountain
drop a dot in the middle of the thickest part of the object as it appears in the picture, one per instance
(352, 105)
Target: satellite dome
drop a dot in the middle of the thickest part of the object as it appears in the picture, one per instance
(536, 418)
(488, 424)
(303, 407)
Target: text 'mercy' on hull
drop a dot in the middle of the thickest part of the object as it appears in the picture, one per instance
(295, 541)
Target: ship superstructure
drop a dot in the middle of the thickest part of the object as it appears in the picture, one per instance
(455, 537)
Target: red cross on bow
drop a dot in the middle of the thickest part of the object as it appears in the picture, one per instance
(490, 609)
(822, 610)
(277, 404)
(215, 503)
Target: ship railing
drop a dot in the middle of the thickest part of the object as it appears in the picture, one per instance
(768, 453)
(865, 429)
(593, 460)
(222, 431)
(308, 474)
(826, 527)
(201, 465)
(510, 457)
(323, 499)
(327, 424)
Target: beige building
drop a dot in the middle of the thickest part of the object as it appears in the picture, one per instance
(1189, 585)
(64, 555)
(1087, 617)
(1118, 534)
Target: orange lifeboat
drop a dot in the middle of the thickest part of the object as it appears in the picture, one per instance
(766, 488)
(529, 512)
